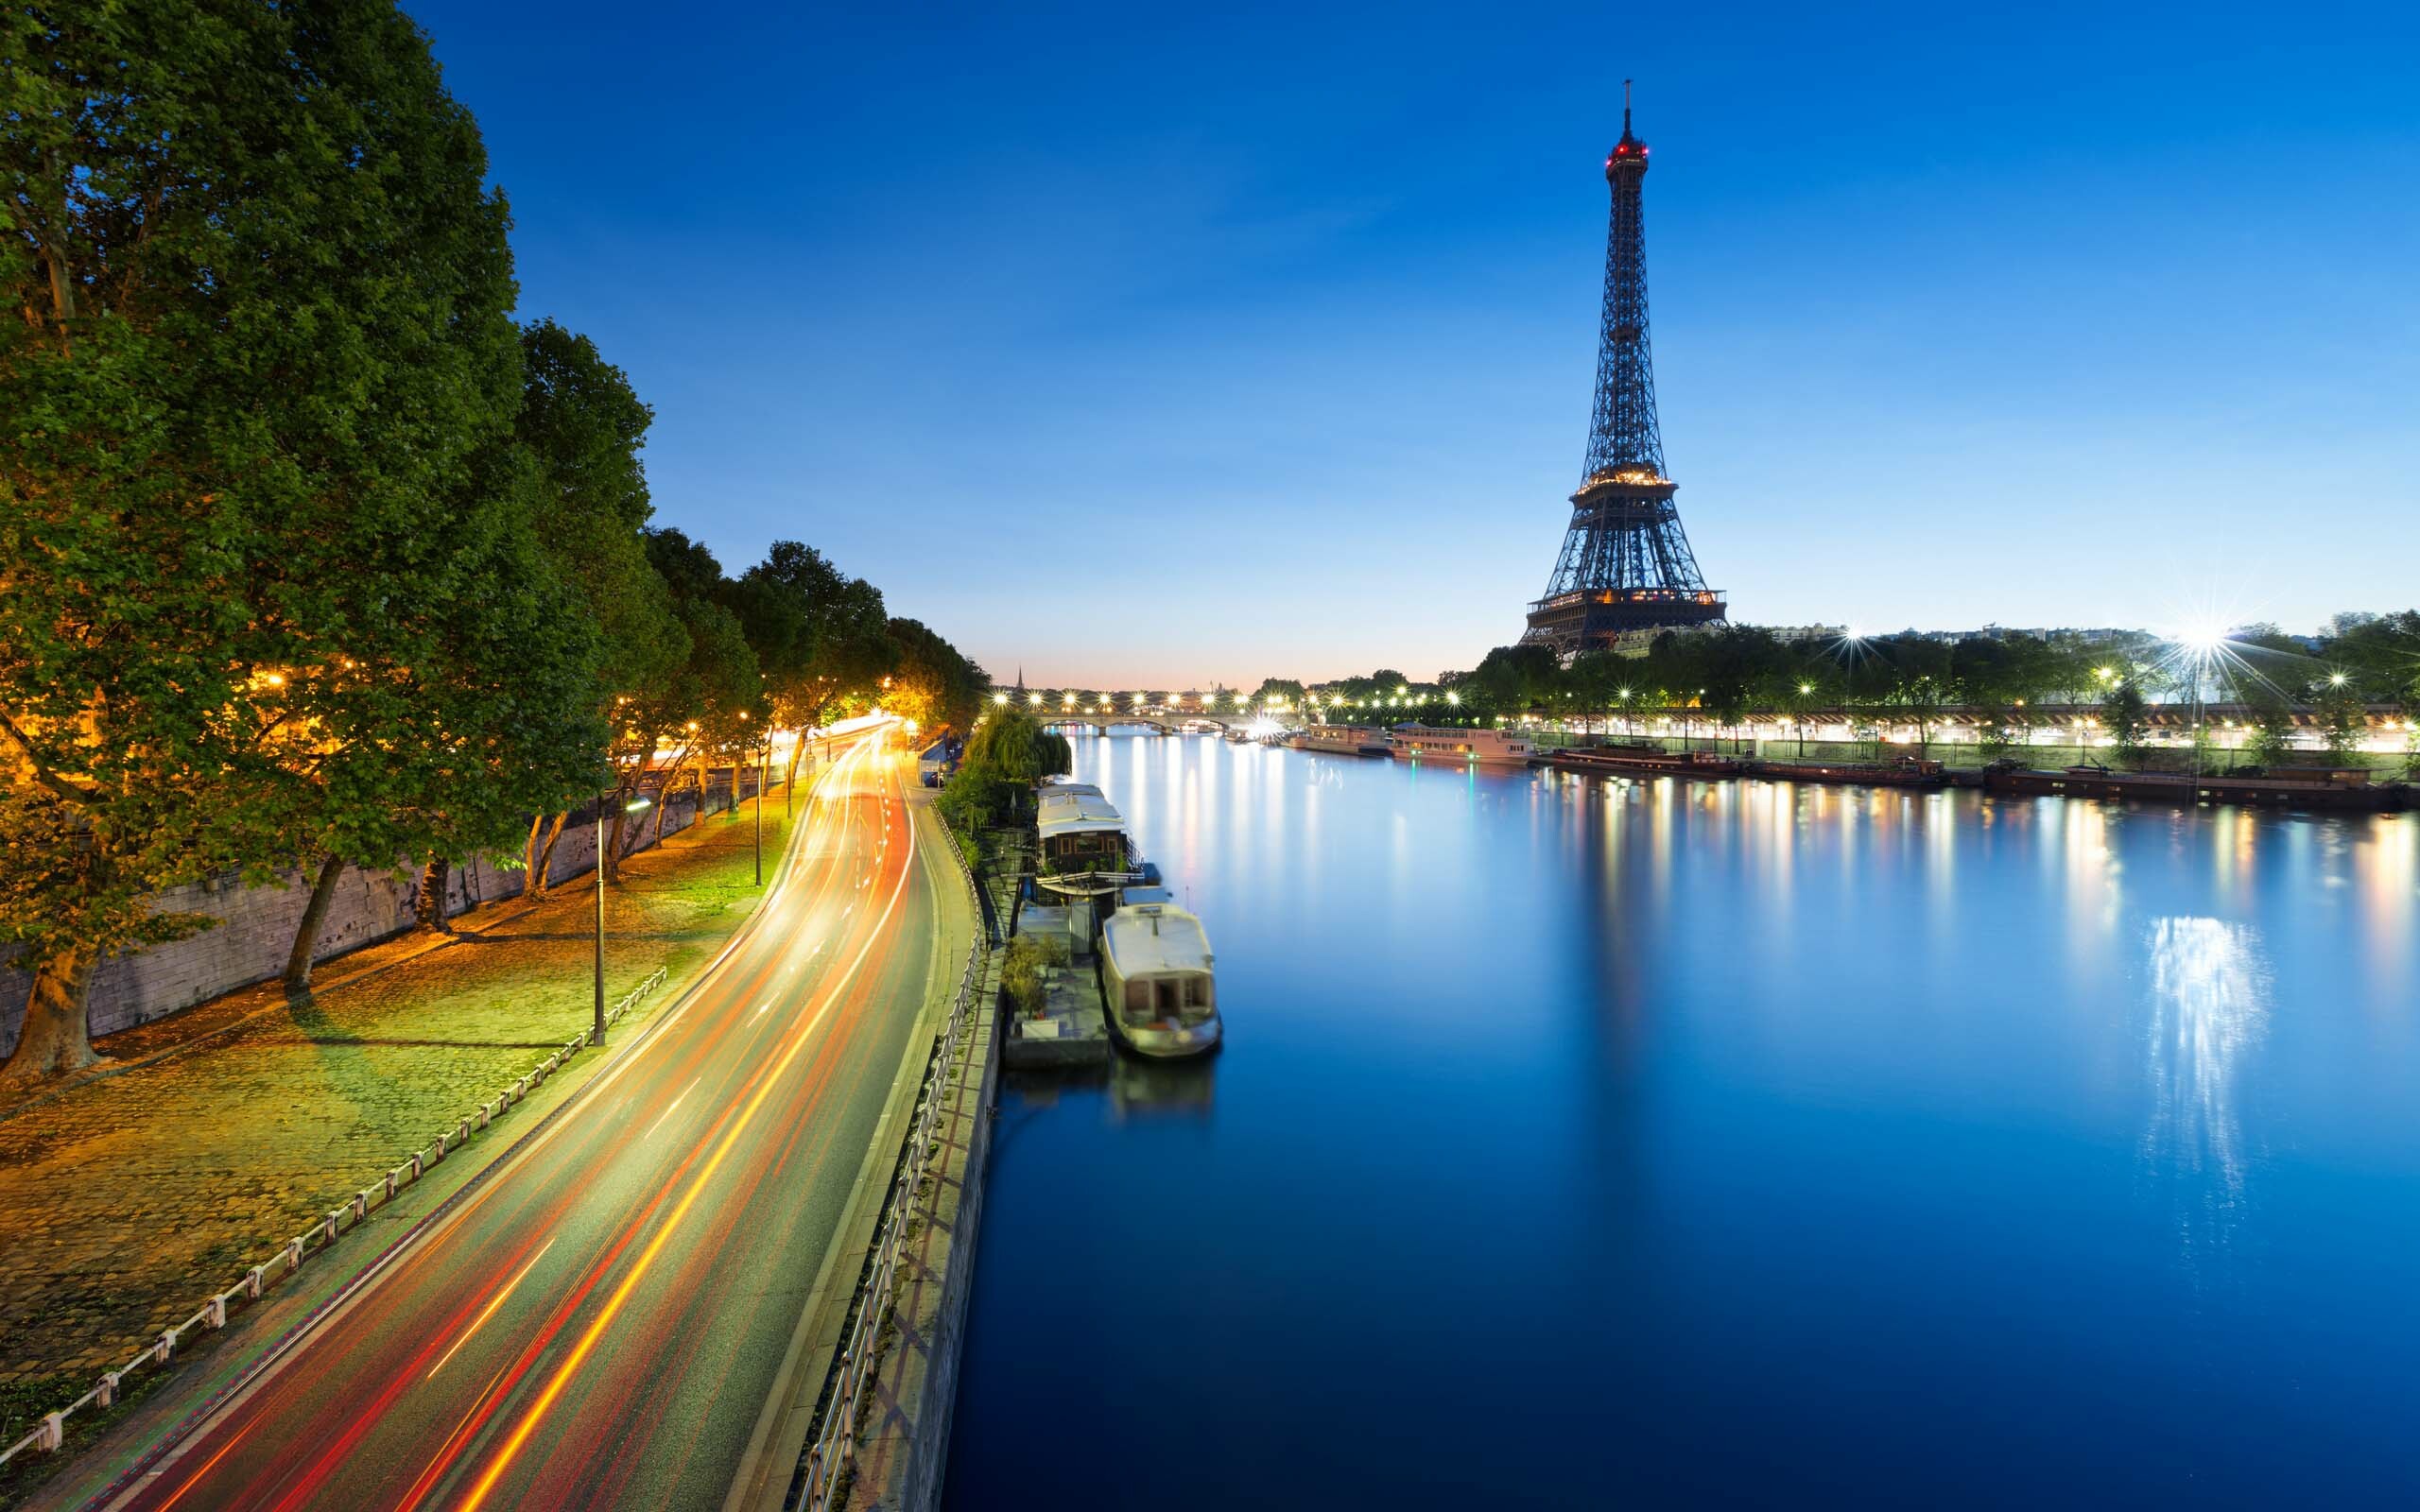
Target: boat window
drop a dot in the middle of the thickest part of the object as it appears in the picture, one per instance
(1138, 999)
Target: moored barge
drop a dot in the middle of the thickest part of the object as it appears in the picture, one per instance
(2336, 794)
(1905, 772)
(1643, 761)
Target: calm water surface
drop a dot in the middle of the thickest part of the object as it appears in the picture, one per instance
(1588, 1143)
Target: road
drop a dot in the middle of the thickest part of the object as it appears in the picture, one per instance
(600, 1321)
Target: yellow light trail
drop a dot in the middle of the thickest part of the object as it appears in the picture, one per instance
(595, 1331)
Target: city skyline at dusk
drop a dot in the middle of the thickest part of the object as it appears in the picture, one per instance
(735, 741)
(1961, 326)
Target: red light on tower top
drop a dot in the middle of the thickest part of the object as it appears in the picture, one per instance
(1629, 149)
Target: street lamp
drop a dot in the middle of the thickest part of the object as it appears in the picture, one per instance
(764, 777)
(596, 1036)
(2201, 645)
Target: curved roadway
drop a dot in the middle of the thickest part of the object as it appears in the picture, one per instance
(600, 1320)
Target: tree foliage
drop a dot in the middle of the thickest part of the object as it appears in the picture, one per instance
(263, 350)
(307, 550)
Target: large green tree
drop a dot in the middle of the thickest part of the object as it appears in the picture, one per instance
(260, 344)
(931, 680)
(581, 427)
(821, 637)
(711, 706)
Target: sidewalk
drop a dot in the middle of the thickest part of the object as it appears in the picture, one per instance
(132, 1194)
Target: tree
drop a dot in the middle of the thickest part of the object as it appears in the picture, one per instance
(583, 428)
(713, 702)
(2343, 717)
(1512, 678)
(932, 682)
(821, 636)
(2127, 717)
(262, 345)
(1006, 755)
(1284, 690)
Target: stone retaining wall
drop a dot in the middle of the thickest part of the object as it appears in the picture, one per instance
(256, 926)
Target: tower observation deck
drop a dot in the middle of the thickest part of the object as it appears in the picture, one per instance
(1626, 562)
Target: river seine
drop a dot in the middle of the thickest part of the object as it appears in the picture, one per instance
(1588, 1143)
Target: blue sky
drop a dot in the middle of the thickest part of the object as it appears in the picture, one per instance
(1148, 345)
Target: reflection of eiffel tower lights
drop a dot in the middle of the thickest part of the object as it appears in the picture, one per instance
(1626, 563)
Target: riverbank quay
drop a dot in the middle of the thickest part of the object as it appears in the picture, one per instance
(2320, 791)
(135, 1194)
(880, 1357)
(914, 1394)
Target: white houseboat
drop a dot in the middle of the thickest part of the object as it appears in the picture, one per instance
(1155, 970)
(1484, 747)
(1084, 849)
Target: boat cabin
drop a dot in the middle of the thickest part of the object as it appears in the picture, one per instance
(1081, 835)
(1156, 970)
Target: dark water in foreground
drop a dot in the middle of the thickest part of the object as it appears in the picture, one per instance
(1592, 1143)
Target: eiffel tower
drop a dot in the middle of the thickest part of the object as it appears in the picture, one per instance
(1626, 563)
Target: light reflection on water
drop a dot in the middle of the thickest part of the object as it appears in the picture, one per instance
(2209, 1005)
(1685, 1143)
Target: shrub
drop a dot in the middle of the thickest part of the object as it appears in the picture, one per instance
(1023, 972)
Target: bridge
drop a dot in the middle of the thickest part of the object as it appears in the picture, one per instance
(1167, 721)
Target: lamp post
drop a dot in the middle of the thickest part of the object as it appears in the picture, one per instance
(764, 775)
(596, 1035)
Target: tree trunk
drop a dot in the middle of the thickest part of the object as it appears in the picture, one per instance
(544, 864)
(53, 1040)
(307, 934)
(429, 906)
(531, 876)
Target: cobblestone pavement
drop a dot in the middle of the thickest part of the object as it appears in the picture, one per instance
(124, 1199)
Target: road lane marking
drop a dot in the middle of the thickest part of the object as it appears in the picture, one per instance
(676, 1104)
(491, 1306)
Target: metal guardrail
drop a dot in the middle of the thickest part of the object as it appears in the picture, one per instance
(51, 1431)
(834, 1443)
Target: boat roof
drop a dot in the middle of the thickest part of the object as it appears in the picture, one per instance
(1149, 937)
(1076, 813)
(1056, 787)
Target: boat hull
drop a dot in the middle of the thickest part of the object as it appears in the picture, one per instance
(1642, 765)
(1859, 776)
(1170, 1043)
(2250, 792)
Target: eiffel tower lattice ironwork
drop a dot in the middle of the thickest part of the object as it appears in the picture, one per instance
(1626, 563)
